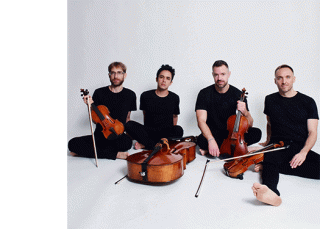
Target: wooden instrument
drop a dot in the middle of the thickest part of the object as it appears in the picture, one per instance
(242, 156)
(164, 164)
(237, 167)
(157, 166)
(111, 128)
(237, 126)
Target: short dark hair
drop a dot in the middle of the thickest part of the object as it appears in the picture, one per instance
(219, 63)
(117, 65)
(283, 66)
(166, 67)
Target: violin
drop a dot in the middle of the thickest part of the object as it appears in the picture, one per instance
(237, 126)
(241, 163)
(111, 128)
(237, 167)
(164, 164)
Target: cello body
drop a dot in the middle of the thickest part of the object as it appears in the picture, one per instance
(163, 164)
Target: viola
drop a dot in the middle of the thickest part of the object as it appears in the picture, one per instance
(237, 167)
(237, 126)
(164, 164)
(111, 128)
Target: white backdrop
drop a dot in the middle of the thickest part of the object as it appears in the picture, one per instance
(253, 37)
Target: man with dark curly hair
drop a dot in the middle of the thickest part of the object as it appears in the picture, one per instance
(160, 110)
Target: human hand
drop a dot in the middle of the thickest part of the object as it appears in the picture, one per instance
(213, 148)
(85, 99)
(298, 159)
(241, 106)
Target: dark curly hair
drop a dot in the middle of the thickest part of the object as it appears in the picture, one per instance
(166, 67)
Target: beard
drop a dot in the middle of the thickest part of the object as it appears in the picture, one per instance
(116, 82)
(221, 85)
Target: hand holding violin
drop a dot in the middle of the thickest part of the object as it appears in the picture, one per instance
(85, 99)
(241, 106)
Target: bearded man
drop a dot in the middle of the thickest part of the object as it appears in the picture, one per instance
(215, 104)
(120, 101)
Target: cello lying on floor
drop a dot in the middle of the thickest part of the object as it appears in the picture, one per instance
(164, 164)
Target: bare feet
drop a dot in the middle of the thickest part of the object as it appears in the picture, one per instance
(122, 155)
(138, 145)
(266, 195)
(258, 167)
(203, 152)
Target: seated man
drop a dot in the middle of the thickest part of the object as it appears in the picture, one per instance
(120, 101)
(160, 110)
(215, 104)
(292, 117)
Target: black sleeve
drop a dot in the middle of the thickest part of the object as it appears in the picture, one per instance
(142, 102)
(266, 106)
(313, 111)
(201, 101)
(95, 98)
(177, 108)
(133, 105)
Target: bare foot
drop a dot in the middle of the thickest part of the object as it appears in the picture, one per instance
(138, 145)
(258, 167)
(122, 155)
(203, 152)
(266, 195)
(73, 154)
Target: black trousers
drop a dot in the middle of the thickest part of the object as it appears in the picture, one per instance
(278, 162)
(83, 146)
(149, 136)
(253, 136)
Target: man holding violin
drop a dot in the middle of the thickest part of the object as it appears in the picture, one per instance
(215, 104)
(120, 101)
(160, 111)
(292, 117)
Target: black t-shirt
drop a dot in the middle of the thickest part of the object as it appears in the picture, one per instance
(118, 104)
(288, 116)
(159, 111)
(219, 107)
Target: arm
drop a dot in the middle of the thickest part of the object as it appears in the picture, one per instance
(128, 117)
(212, 144)
(175, 120)
(300, 157)
(268, 132)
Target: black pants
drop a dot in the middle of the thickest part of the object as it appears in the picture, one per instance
(149, 136)
(253, 136)
(278, 162)
(83, 146)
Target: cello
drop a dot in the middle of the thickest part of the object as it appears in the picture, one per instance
(237, 126)
(162, 165)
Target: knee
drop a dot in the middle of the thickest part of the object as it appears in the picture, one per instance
(178, 131)
(71, 145)
(202, 142)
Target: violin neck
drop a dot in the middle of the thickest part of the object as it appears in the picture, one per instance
(237, 122)
(101, 117)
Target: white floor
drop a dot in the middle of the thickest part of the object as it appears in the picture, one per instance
(94, 201)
